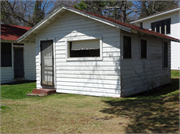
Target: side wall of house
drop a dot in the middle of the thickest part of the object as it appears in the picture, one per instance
(138, 75)
(6, 74)
(88, 77)
(29, 61)
(175, 32)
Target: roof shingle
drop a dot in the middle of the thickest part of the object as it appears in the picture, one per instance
(144, 30)
(12, 32)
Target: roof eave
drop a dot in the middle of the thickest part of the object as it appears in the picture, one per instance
(135, 31)
(12, 41)
(150, 17)
(45, 20)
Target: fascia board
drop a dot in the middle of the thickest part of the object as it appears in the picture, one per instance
(150, 17)
(39, 24)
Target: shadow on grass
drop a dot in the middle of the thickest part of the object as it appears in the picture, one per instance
(149, 114)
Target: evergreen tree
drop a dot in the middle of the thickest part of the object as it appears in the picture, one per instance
(38, 14)
(118, 10)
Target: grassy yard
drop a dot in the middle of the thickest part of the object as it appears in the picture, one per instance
(157, 112)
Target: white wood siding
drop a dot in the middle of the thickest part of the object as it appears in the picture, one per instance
(138, 75)
(96, 77)
(29, 61)
(6, 74)
(175, 32)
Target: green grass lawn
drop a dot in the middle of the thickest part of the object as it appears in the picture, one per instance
(175, 74)
(157, 112)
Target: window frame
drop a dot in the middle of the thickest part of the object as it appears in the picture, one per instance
(38, 44)
(124, 46)
(83, 38)
(11, 53)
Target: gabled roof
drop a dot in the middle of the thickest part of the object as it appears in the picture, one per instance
(156, 15)
(114, 23)
(12, 32)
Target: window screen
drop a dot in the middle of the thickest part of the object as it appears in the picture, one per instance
(127, 47)
(165, 54)
(143, 49)
(6, 60)
(87, 48)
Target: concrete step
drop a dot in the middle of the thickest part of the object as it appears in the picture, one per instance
(41, 95)
(43, 91)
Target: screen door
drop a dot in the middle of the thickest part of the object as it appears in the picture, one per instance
(47, 69)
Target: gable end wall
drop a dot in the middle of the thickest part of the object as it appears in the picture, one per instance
(96, 77)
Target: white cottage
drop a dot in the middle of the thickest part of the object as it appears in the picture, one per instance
(168, 23)
(17, 59)
(82, 53)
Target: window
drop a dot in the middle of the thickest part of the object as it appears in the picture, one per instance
(153, 26)
(143, 49)
(127, 47)
(85, 48)
(163, 26)
(157, 27)
(165, 55)
(6, 55)
(168, 23)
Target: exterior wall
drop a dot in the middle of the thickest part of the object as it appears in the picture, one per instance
(175, 32)
(29, 61)
(88, 77)
(7, 73)
(138, 75)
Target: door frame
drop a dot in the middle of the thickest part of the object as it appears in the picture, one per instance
(40, 60)
(15, 47)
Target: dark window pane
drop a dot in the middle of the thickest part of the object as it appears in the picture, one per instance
(6, 55)
(157, 27)
(84, 53)
(165, 54)
(127, 47)
(168, 25)
(162, 27)
(152, 26)
(143, 49)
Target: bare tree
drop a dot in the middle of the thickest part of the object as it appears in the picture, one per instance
(21, 12)
(151, 7)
